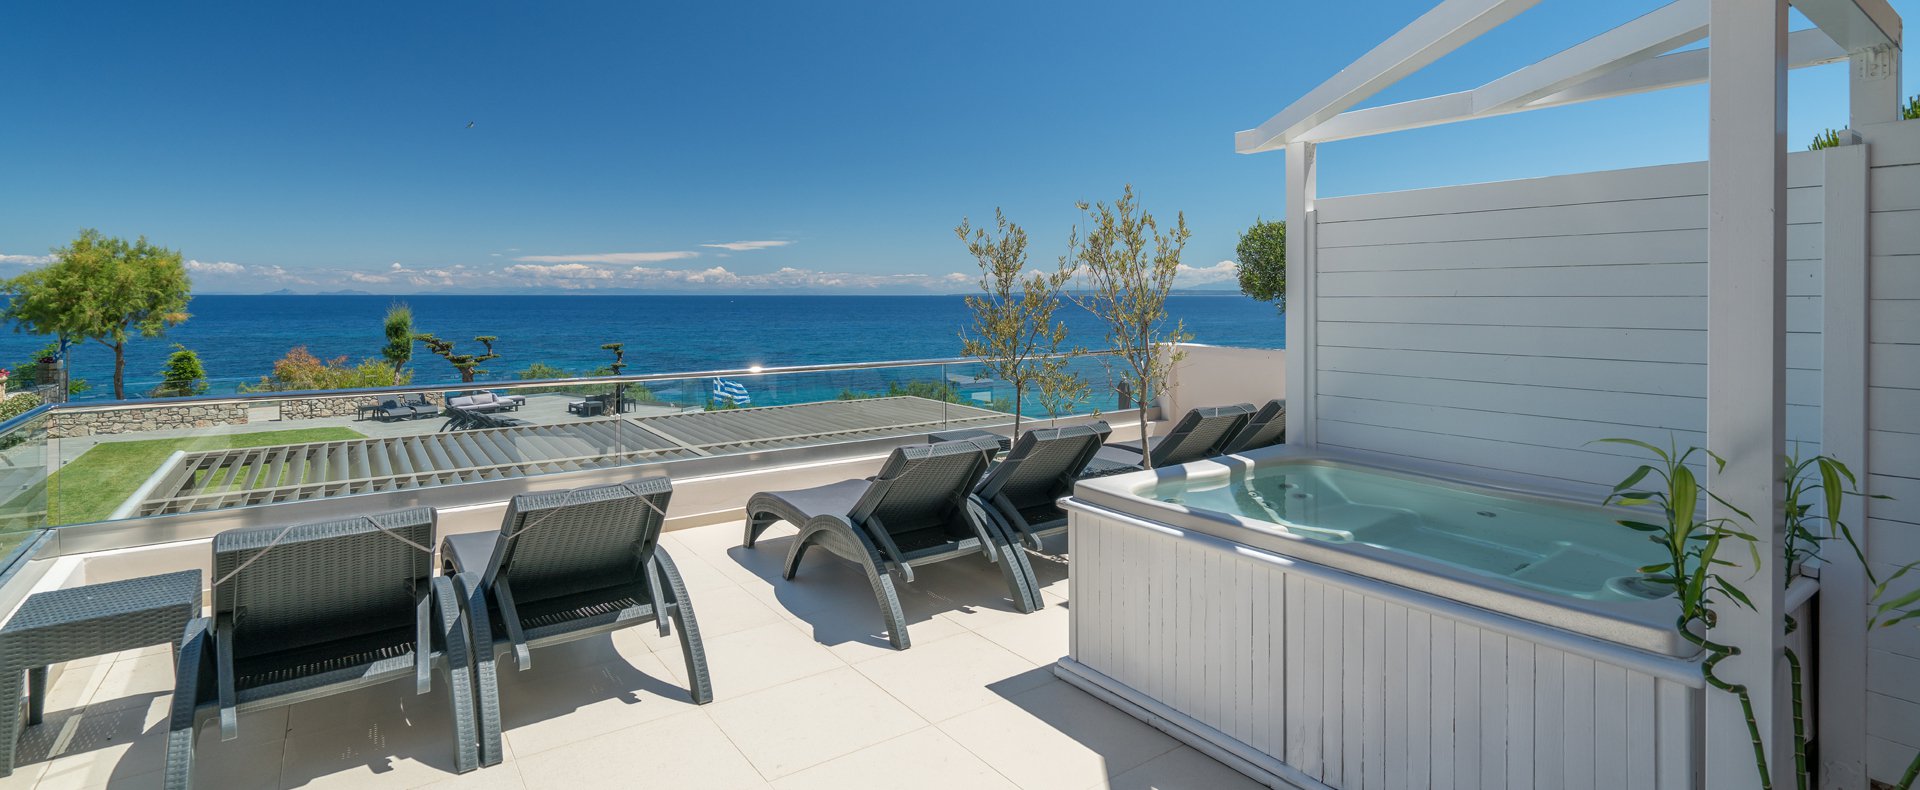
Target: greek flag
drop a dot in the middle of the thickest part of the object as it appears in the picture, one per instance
(730, 391)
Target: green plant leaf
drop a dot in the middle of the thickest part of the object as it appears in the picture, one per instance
(1662, 454)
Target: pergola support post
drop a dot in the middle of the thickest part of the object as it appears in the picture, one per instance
(1746, 385)
(1302, 275)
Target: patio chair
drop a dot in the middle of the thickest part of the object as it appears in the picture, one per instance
(1200, 433)
(916, 511)
(393, 409)
(420, 405)
(1265, 428)
(567, 565)
(1023, 490)
(311, 610)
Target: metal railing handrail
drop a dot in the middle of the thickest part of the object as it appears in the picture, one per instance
(410, 389)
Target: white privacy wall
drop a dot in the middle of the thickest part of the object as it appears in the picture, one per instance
(1893, 436)
(1505, 326)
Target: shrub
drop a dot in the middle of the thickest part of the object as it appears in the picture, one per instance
(182, 376)
(301, 370)
(17, 405)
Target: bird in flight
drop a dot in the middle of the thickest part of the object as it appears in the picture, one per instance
(469, 124)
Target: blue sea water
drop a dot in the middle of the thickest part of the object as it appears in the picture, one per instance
(239, 337)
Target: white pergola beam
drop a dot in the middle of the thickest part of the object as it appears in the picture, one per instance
(1804, 48)
(1436, 33)
(1664, 29)
(1857, 25)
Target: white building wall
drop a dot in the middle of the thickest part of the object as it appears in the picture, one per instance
(1893, 437)
(1503, 327)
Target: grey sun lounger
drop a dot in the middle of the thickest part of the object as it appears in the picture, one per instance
(915, 512)
(312, 610)
(1267, 427)
(567, 565)
(1023, 490)
(1200, 433)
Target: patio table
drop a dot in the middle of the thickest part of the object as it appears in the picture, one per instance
(66, 625)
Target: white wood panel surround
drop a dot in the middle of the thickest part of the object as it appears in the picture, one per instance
(1505, 326)
(1893, 436)
(1296, 673)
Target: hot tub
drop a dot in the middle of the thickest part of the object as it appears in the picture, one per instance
(1318, 621)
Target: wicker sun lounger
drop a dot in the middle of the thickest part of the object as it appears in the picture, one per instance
(1265, 428)
(312, 610)
(916, 511)
(1200, 433)
(567, 565)
(1023, 490)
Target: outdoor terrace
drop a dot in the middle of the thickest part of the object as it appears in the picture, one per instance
(808, 692)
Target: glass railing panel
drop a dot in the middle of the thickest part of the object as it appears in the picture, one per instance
(25, 495)
(159, 457)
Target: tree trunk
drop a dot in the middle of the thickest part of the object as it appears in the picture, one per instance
(1140, 402)
(1019, 391)
(119, 371)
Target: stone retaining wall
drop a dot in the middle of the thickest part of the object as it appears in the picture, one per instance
(65, 424)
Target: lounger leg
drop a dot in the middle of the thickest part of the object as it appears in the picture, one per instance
(186, 693)
(889, 601)
(453, 645)
(1022, 585)
(799, 549)
(689, 628)
(486, 676)
(756, 524)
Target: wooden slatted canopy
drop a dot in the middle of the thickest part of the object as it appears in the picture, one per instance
(218, 479)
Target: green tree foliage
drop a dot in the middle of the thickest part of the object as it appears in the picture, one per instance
(541, 370)
(1827, 139)
(14, 406)
(26, 373)
(301, 370)
(1128, 266)
(102, 289)
(183, 375)
(1911, 112)
(399, 330)
(1263, 262)
(1014, 333)
(467, 364)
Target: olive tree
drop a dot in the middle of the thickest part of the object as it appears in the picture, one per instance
(1127, 267)
(1014, 333)
(1263, 262)
(103, 289)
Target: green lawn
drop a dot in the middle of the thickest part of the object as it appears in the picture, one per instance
(105, 475)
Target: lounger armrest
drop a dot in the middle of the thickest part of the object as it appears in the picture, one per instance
(190, 667)
(224, 676)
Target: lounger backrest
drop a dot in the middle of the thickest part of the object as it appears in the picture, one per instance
(321, 582)
(1201, 433)
(1043, 465)
(921, 486)
(563, 542)
(1267, 427)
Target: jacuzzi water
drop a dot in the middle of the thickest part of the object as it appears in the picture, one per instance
(1559, 547)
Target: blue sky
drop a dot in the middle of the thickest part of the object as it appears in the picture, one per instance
(725, 146)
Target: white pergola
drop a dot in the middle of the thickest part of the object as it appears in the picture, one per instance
(1746, 70)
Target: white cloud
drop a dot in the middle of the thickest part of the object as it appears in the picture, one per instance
(743, 246)
(611, 257)
(216, 267)
(28, 260)
(1200, 275)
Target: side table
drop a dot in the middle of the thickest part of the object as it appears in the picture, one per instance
(65, 625)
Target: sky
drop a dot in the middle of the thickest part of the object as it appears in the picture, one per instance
(730, 147)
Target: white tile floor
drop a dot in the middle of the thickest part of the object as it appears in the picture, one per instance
(808, 694)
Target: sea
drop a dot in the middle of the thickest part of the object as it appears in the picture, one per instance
(239, 337)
